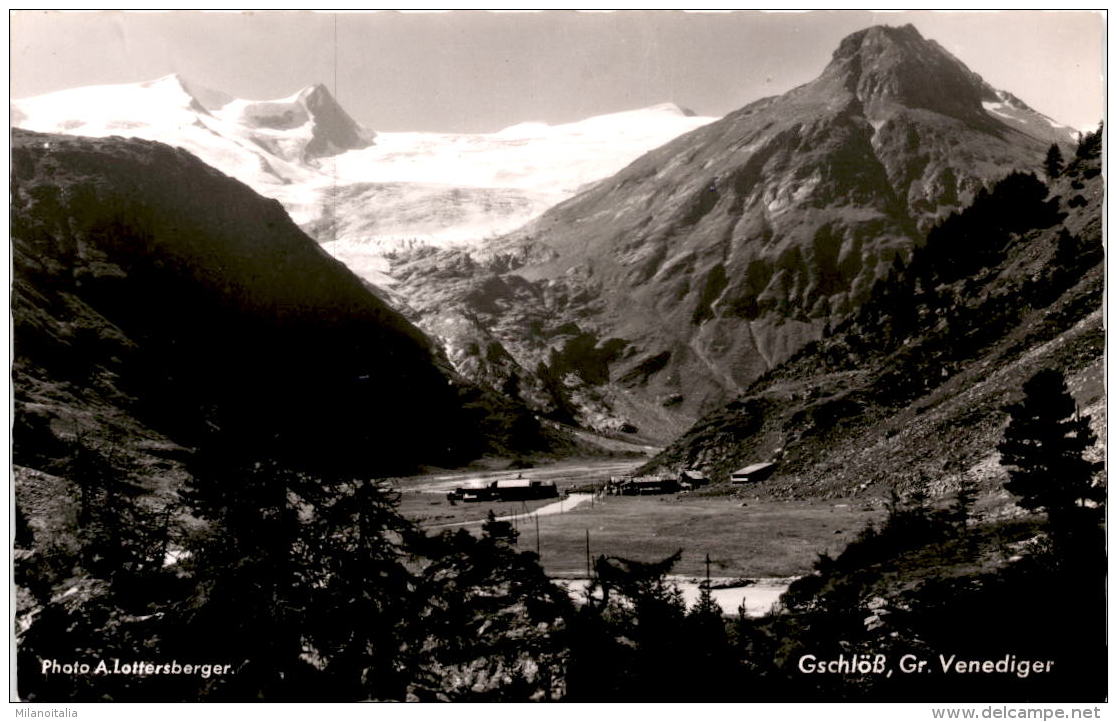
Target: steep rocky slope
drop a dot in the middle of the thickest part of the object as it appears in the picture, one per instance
(658, 293)
(911, 391)
(159, 305)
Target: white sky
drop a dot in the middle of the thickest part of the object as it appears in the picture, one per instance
(474, 71)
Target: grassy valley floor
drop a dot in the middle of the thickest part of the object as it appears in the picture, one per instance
(744, 538)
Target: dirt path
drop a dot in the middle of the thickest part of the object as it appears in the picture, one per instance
(559, 507)
(561, 474)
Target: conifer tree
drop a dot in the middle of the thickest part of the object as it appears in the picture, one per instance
(1089, 146)
(710, 667)
(1053, 163)
(1043, 450)
(356, 613)
(248, 569)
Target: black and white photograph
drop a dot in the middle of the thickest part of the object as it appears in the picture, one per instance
(558, 356)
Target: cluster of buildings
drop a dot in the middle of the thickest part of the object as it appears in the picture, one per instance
(632, 485)
(518, 489)
(685, 481)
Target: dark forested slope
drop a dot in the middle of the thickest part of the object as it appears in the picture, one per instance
(159, 302)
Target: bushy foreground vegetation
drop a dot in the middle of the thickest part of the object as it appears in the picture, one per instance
(301, 587)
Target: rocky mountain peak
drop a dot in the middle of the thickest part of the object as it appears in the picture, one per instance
(318, 97)
(709, 261)
(896, 66)
(314, 109)
(334, 130)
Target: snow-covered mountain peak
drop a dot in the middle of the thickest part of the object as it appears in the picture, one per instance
(674, 109)
(197, 96)
(306, 125)
(358, 192)
(99, 110)
(173, 81)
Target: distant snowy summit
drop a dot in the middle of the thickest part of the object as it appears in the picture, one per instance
(309, 124)
(360, 192)
(298, 129)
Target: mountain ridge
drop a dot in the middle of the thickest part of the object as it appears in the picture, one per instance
(429, 189)
(649, 297)
(716, 256)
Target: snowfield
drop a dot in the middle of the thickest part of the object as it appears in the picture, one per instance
(359, 193)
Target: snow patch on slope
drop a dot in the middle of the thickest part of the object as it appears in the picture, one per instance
(1008, 107)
